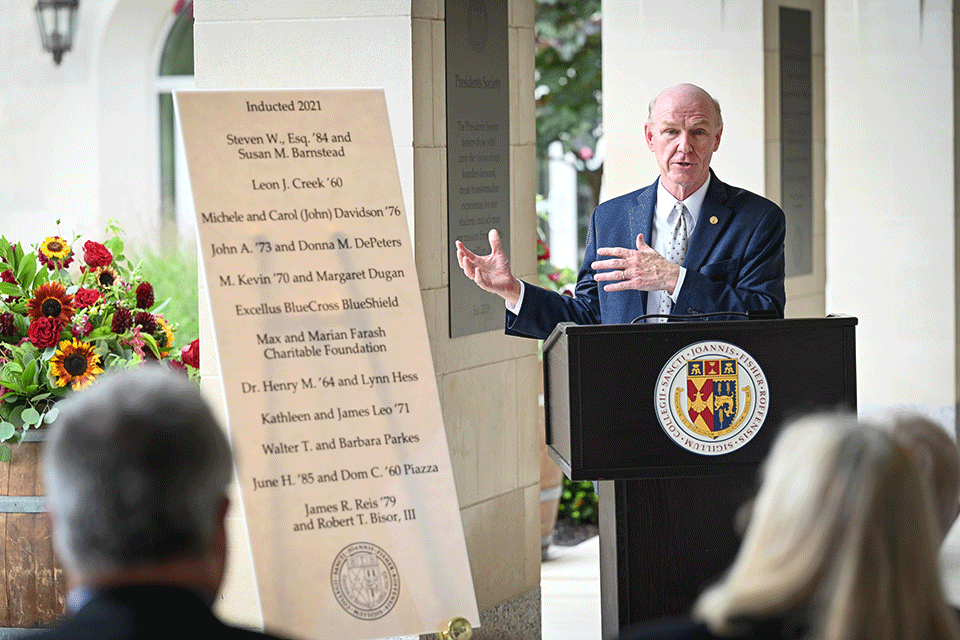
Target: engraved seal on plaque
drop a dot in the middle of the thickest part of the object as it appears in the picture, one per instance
(477, 24)
(365, 581)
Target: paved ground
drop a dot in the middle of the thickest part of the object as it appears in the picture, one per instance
(570, 592)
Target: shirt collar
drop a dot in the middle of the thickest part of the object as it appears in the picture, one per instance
(694, 202)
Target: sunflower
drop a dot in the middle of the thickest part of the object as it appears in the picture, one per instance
(55, 253)
(164, 336)
(75, 363)
(105, 277)
(51, 300)
(55, 248)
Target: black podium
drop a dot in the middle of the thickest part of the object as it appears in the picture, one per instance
(674, 419)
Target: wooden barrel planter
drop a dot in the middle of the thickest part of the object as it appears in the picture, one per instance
(33, 593)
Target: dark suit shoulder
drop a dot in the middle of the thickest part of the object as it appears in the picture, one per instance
(632, 199)
(740, 199)
(146, 612)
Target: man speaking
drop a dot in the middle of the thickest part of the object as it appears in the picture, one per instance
(687, 244)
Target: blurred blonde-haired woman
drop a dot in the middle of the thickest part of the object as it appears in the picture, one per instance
(842, 544)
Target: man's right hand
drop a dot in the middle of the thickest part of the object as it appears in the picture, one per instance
(492, 272)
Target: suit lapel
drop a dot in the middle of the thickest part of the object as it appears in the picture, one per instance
(641, 221)
(714, 218)
(641, 218)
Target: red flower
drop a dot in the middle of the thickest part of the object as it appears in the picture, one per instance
(53, 265)
(96, 255)
(7, 326)
(542, 252)
(177, 366)
(44, 332)
(81, 332)
(122, 320)
(144, 295)
(7, 276)
(86, 297)
(180, 5)
(191, 354)
(146, 321)
(585, 153)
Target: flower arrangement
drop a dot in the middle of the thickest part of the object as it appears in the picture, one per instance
(62, 327)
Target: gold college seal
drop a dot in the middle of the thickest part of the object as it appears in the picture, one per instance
(712, 397)
(365, 581)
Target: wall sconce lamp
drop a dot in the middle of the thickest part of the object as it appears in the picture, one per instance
(57, 20)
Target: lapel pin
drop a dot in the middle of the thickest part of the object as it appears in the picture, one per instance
(714, 220)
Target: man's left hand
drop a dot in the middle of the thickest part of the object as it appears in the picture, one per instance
(642, 269)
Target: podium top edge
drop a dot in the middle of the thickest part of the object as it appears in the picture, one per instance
(570, 328)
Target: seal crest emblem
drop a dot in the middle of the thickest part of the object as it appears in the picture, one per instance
(712, 397)
(365, 581)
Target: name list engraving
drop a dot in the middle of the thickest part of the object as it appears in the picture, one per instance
(324, 354)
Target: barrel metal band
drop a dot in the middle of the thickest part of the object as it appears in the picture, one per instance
(12, 633)
(34, 435)
(22, 504)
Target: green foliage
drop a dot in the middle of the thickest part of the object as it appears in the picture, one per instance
(568, 75)
(175, 271)
(578, 501)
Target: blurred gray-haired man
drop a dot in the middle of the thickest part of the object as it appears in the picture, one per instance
(136, 472)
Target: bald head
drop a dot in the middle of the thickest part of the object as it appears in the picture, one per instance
(683, 131)
(687, 93)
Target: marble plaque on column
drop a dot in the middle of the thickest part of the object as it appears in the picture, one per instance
(796, 138)
(334, 414)
(478, 151)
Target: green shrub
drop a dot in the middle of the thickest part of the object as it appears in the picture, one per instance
(578, 501)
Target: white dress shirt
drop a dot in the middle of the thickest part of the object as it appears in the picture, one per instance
(664, 219)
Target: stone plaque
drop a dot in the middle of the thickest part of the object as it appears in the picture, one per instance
(342, 459)
(796, 137)
(478, 151)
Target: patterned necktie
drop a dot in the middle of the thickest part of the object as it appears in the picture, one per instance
(676, 251)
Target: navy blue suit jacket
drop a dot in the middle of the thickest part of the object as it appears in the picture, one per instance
(734, 262)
